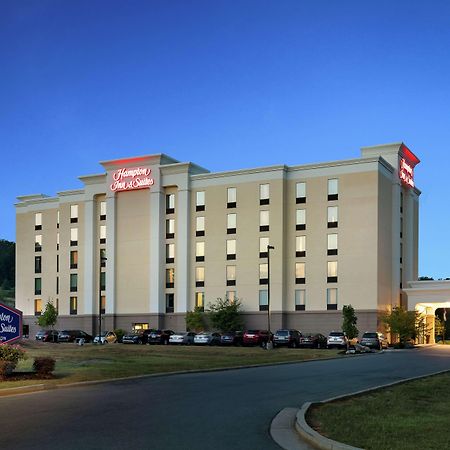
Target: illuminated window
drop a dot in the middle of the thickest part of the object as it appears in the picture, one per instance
(299, 273)
(74, 237)
(263, 301)
(300, 246)
(231, 197)
(332, 217)
(73, 259)
(200, 226)
(300, 219)
(332, 276)
(170, 203)
(170, 228)
(73, 282)
(199, 251)
(73, 305)
(231, 223)
(333, 189)
(263, 243)
(231, 296)
(170, 303)
(231, 248)
(199, 276)
(264, 194)
(37, 286)
(57, 219)
(170, 278)
(37, 306)
(264, 221)
(332, 297)
(200, 201)
(264, 273)
(38, 243)
(37, 264)
(140, 326)
(300, 192)
(57, 241)
(231, 275)
(103, 304)
(102, 210)
(170, 253)
(38, 221)
(332, 244)
(102, 234)
(300, 298)
(73, 213)
(200, 300)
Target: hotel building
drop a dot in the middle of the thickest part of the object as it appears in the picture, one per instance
(150, 238)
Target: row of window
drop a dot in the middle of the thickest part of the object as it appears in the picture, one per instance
(73, 305)
(73, 261)
(73, 283)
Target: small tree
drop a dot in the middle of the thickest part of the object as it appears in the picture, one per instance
(196, 320)
(49, 317)
(349, 322)
(225, 315)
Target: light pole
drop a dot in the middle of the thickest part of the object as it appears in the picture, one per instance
(102, 258)
(269, 247)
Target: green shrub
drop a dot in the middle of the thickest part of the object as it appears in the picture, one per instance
(12, 353)
(120, 334)
(44, 366)
(6, 367)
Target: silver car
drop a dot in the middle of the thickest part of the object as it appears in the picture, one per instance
(337, 339)
(182, 337)
(207, 338)
(374, 340)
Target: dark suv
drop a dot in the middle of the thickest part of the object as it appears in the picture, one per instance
(159, 336)
(290, 338)
(137, 337)
(374, 340)
(73, 335)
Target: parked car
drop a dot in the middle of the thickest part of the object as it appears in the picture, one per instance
(290, 338)
(136, 337)
(207, 338)
(313, 340)
(232, 338)
(40, 334)
(374, 340)
(159, 336)
(50, 336)
(106, 337)
(256, 337)
(73, 335)
(182, 337)
(337, 339)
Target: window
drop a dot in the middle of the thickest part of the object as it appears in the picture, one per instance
(38, 221)
(200, 226)
(73, 282)
(73, 259)
(231, 296)
(37, 286)
(332, 276)
(332, 244)
(140, 326)
(170, 203)
(263, 301)
(200, 201)
(231, 248)
(300, 192)
(57, 285)
(332, 217)
(300, 219)
(73, 213)
(401, 227)
(264, 194)
(102, 210)
(37, 306)
(401, 202)
(200, 300)
(231, 197)
(74, 237)
(199, 251)
(57, 241)
(231, 223)
(170, 253)
(38, 243)
(73, 305)
(57, 305)
(103, 281)
(263, 243)
(57, 219)
(231, 275)
(102, 234)
(103, 304)
(333, 189)
(401, 253)
(170, 228)
(37, 264)
(299, 273)
(264, 221)
(57, 263)
(264, 273)
(170, 278)
(199, 276)
(332, 296)
(103, 257)
(300, 297)
(300, 246)
(170, 303)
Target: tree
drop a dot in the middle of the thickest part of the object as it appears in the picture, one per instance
(349, 323)
(225, 315)
(439, 328)
(49, 317)
(196, 320)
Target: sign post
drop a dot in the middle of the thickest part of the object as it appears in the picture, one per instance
(10, 324)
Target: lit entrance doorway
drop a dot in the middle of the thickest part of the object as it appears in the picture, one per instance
(427, 297)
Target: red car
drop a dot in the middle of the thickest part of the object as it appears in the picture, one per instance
(256, 337)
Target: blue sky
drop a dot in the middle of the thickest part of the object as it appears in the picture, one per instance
(225, 84)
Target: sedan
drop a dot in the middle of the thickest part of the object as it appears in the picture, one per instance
(106, 337)
(313, 340)
(159, 337)
(256, 337)
(73, 335)
(182, 337)
(207, 338)
(232, 338)
(50, 336)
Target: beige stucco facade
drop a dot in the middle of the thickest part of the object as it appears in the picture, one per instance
(154, 275)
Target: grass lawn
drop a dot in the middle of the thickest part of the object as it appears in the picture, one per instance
(413, 416)
(96, 362)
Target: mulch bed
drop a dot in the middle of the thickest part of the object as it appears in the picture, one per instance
(20, 376)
